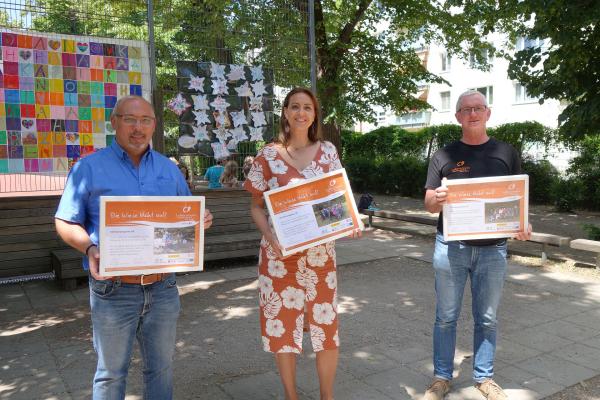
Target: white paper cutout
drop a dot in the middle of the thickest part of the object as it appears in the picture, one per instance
(221, 134)
(219, 86)
(239, 118)
(236, 72)
(217, 70)
(187, 142)
(256, 133)
(257, 73)
(219, 119)
(220, 150)
(258, 118)
(200, 132)
(259, 88)
(256, 103)
(196, 83)
(200, 102)
(201, 117)
(178, 104)
(244, 90)
(232, 144)
(238, 134)
(220, 104)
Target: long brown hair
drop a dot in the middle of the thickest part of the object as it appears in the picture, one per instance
(314, 131)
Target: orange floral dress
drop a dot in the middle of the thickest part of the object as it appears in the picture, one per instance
(303, 281)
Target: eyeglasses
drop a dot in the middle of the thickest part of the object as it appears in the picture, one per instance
(132, 121)
(469, 110)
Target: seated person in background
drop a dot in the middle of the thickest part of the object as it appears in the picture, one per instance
(229, 176)
(247, 165)
(185, 171)
(213, 174)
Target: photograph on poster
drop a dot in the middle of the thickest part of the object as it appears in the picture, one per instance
(331, 211)
(174, 240)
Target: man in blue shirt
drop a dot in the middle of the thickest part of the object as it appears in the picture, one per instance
(213, 174)
(127, 307)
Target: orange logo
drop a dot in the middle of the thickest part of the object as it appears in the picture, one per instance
(186, 209)
(460, 163)
(461, 168)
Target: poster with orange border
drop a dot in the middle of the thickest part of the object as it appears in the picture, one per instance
(147, 235)
(313, 211)
(486, 208)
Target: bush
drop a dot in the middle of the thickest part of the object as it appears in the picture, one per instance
(543, 178)
(400, 175)
(592, 231)
(585, 169)
(568, 194)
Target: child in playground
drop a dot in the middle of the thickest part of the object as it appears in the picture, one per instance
(229, 176)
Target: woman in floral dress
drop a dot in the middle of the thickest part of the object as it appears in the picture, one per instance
(305, 283)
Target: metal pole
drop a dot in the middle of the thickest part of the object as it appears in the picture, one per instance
(158, 138)
(312, 45)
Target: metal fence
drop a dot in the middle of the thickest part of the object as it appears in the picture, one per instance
(275, 34)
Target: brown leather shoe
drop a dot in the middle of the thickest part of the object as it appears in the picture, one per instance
(437, 390)
(491, 390)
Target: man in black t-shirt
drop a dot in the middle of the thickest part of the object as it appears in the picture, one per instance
(482, 261)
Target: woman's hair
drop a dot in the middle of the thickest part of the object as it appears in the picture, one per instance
(314, 131)
(229, 175)
(247, 165)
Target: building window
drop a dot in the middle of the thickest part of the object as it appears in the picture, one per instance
(487, 92)
(524, 43)
(446, 61)
(521, 95)
(445, 101)
(486, 55)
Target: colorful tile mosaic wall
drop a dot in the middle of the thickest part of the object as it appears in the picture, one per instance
(56, 96)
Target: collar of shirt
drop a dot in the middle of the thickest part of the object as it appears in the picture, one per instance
(122, 154)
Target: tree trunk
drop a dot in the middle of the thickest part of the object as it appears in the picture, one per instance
(332, 133)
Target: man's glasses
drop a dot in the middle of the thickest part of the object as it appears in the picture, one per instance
(469, 110)
(132, 121)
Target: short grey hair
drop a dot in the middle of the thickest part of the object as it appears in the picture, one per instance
(125, 99)
(468, 93)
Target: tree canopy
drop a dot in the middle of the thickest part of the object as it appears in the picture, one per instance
(567, 67)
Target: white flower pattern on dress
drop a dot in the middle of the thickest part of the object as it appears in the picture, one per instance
(330, 246)
(336, 339)
(293, 298)
(271, 304)
(257, 178)
(278, 167)
(272, 183)
(317, 336)
(269, 153)
(313, 170)
(265, 284)
(275, 328)
(329, 154)
(266, 343)
(317, 256)
(289, 349)
(299, 330)
(277, 268)
(323, 313)
(307, 278)
(331, 280)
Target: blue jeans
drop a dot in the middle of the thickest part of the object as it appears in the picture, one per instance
(123, 312)
(453, 262)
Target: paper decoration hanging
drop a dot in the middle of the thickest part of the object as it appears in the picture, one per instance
(224, 109)
(57, 93)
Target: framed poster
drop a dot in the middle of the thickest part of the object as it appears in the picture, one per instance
(313, 211)
(148, 235)
(485, 208)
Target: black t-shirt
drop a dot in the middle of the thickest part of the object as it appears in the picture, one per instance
(459, 160)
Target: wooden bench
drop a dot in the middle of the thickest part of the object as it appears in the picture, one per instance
(418, 219)
(588, 245)
(545, 239)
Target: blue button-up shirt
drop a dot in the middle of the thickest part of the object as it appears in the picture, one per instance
(110, 172)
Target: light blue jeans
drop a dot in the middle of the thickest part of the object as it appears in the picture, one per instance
(123, 312)
(453, 262)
